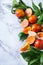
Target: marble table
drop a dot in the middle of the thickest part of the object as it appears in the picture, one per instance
(9, 29)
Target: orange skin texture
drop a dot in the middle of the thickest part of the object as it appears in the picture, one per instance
(36, 28)
(32, 19)
(25, 30)
(38, 44)
(42, 27)
(19, 13)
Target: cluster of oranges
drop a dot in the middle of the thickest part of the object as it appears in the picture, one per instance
(30, 25)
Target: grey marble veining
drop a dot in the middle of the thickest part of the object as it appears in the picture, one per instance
(9, 42)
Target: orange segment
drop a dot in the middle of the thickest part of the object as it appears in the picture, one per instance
(28, 12)
(32, 33)
(30, 39)
(25, 47)
(40, 34)
(24, 23)
(25, 30)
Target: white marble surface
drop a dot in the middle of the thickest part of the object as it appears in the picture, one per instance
(9, 42)
(9, 29)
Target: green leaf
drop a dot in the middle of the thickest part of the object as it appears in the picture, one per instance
(40, 5)
(24, 5)
(26, 55)
(14, 3)
(22, 36)
(31, 54)
(40, 20)
(34, 62)
(25, 17)
(36, 9)
(41, 59)
(21, 2)
(19, 5)
(35, 50)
